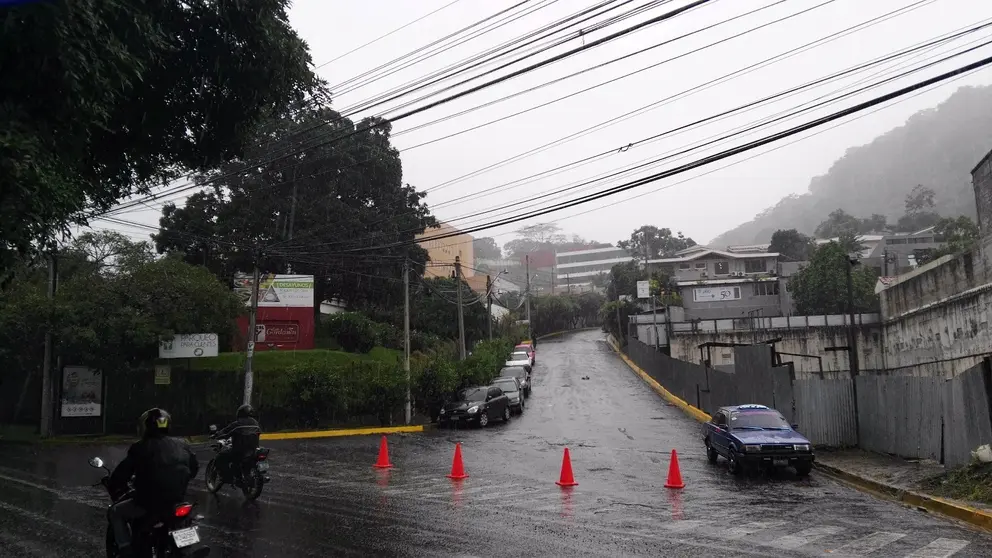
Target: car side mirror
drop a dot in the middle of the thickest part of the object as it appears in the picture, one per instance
(213, 428)
(96, 462)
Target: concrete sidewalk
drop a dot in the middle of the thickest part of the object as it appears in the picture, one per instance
(902, 480)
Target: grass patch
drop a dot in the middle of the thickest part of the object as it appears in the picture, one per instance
(972, 482)
(274, 361)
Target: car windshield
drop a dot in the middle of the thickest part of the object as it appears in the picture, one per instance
(473, 394)
(517, 371)
(507, 387)
(758, 420)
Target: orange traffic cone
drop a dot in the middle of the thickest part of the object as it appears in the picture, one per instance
(383, 461)
(457, 467)
(674, 474)
(566, 479)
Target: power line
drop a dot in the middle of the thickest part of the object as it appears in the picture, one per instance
(380, 37)
(721, 155)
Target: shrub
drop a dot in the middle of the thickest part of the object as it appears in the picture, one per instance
(353, 331)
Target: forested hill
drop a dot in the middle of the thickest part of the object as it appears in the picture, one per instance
(936, 147)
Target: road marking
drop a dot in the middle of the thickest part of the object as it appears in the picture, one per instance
(940, 548)
(750, 529)
(804, 537)
(866, 545)
(683, 525)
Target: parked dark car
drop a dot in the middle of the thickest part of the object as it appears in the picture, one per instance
(511, 387)
(521, 373)
(752, 436)
(477, 405)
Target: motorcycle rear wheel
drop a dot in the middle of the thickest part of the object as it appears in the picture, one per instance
(213, 478)
(252, 486)
(112, 550)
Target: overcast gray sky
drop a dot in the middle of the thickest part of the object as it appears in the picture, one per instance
(701, 203)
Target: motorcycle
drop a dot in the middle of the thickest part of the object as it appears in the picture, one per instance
(250, 475)
(157, 535)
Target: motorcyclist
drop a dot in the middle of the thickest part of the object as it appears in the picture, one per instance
(161, 467)
(244, 433)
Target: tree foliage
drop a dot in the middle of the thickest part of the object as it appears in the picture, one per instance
(433, 310)
(840, 222)
(545, 236)
(564, 312)
(655, 242)
(310, 212)
(920, 210)
(486, 248)
(821, 286)
(105, 99)
(792, 245)
(113, 302)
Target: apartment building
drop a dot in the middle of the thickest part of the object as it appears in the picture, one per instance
(442, 252)
(577, 268)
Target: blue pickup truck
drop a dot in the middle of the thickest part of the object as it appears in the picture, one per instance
(753, 436)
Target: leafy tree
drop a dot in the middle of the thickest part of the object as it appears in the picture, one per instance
(920, 200)
(623, 280)
(312, 212)
(113, 302)
(486, 248)
(655, 242)
(615, 316)
(545, 236)
(959, 235)
(792, 244)
(132, 95)
(821, 287)
(433, 310)
(920, 213)
(851, 243)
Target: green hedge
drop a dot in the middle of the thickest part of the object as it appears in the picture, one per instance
(355, 332)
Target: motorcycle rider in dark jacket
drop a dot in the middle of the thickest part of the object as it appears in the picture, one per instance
(244, 433)
(161, 467)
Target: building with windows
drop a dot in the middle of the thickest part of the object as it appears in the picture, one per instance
(577, 268)
(442, 252)
(738, 282)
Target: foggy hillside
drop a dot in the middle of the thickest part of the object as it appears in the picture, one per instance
(936, 147)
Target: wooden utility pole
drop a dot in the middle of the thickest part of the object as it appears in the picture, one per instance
(406, 337)
(461, 315)
(47, 374)
(252, 317)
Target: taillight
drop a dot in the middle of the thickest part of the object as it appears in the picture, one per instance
(183, 510)
(262, 456)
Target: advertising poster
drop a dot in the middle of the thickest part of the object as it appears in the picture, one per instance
(189, 345)
(82, 392)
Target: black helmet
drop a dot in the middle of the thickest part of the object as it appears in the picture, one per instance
(154, 422)
(246, 411)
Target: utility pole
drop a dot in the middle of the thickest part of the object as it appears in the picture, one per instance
(406, 337)
(252, 316)
(461, 315)
(47, 380)
(489, 304)
(654, 307)
(852, 344)
(619, 325)
(530, 330)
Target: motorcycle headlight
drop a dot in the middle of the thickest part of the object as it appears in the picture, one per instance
(442, 411)
(752, 448)
(473, 410)
(801, 447)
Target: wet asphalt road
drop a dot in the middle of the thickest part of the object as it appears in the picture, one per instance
(326, 500)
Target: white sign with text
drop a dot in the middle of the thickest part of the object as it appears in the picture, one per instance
(189, 345)
(643, 289)
(716, 294)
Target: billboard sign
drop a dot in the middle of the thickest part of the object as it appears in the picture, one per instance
(716, 294)
(82, 392)
(277, 291)
(643, 289)
(189, 345)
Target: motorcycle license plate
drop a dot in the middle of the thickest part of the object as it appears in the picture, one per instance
(262, 467)
(185, 537)
(780, 462)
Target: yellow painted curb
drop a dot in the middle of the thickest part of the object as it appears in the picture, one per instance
(693, 412)
(341, 432)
